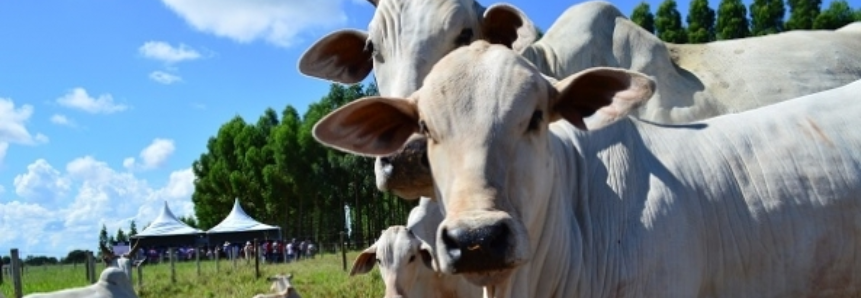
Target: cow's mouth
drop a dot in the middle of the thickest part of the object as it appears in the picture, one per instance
(488, 278)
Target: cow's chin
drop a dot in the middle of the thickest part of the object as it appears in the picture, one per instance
(489, 278)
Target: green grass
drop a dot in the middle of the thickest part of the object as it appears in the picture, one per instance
(320, 277)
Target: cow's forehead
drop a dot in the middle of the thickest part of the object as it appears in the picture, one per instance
(395, 244)
(394, 14)
(426, 7)
(481, 75)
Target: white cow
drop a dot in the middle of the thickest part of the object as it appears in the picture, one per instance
(399, 252)
(112, 283)
(124, 262)
(405, 38)
(552, 191)
(282, 286)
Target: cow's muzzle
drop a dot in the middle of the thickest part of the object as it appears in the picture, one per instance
(484, 246)
(406, 173)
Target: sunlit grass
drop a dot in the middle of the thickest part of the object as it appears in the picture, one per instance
(320, 277)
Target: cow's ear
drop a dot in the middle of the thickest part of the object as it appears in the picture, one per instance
(426, 252)
(508, 25)
(107, 253)
(371, 126)
(365, 261)
(340, 56)
(597, 97)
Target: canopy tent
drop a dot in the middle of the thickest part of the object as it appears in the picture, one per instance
(167, 230)
(238, 227)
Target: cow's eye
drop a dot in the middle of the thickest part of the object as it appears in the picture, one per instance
(375, 53)
(464, 38)
(412, 258)
(535, 121)
(379, 263)
(423, 128)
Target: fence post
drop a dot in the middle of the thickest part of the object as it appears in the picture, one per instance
(197, 258)
(343, 253)
(16, 274)
(217, 259)
(140, 278)
(91, 268)
(2, 270)
(172, 268)
(257, 259)
(233, 255)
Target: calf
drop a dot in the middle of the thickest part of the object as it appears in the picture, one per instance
(124, 262)
(282, 286)
(404, 256)
(112, 283)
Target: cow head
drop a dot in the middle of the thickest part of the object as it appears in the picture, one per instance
(123, 261)
(404, 40)
(400, 256)
(282, 285)
(486, 114)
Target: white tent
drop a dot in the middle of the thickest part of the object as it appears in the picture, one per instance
(166, 229)
(238, 226)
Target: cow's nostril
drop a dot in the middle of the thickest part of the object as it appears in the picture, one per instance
(451, 243)
(425, 162)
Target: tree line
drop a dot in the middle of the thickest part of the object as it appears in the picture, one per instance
(282, 176)
(120, 237)
(731, 19)
(75, 256)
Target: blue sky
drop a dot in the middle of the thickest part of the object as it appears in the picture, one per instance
(104, 104)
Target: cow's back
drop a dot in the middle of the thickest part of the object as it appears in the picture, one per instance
(757, 71)
(700, 81)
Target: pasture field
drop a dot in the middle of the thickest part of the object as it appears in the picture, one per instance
(320, 277)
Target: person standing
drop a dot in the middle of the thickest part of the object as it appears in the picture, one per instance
(290, 252)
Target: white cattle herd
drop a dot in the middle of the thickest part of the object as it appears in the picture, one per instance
(599, 161)
(596, 161)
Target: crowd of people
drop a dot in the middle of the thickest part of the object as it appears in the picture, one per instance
(277, 251)
(270, 251)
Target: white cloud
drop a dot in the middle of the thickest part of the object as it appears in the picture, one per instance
(277, 21)
(157, 153)
(12, 123)
(78, 98)
(164, 77)
(62, 120)
(13, 129)
(162, 51)
(129, 163)
(153, 156)
(89, 193)
(40, 138)
(41, 184)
